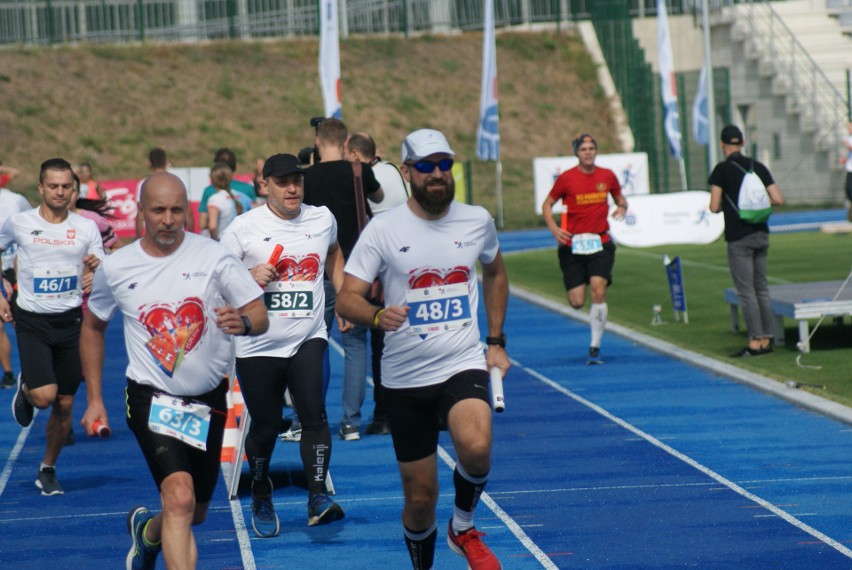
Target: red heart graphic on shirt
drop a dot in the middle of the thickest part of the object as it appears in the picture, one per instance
(305, 268)
(432, 276)
(174, 332)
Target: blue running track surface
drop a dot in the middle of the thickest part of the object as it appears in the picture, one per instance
(642, 462)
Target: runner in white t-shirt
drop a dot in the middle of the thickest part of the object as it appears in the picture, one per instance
(290, 355)
(182, 297)
(10, 203)
(57, 253)
(433, 368)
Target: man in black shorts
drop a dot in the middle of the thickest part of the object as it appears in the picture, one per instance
(586, 250)
(182, 297)
(425, 252)
(57, 253)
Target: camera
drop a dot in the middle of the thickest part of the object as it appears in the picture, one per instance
(310, 155)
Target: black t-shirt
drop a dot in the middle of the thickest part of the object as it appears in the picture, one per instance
(332, 184)
(728, 177)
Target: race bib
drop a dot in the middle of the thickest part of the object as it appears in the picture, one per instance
(290, 299)
(438, 308)
(188, 422)
(586, 244)
(54, 282)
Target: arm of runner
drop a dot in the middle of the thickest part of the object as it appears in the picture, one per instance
(353, 306)
(561, 235)
(92, 344)
(334, 267)
(5, 310)
(620, 207)
(230, 320)
(495, 289)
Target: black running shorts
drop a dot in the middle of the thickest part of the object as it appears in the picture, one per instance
(166, 455)
(578, 269)
(49, 346)
(417, 414)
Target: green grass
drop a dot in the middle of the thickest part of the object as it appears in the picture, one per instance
(639, 282)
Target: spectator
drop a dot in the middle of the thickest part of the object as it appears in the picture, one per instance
(225, 205)
(227, 156)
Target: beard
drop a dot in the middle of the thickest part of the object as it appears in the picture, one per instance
(434, 201)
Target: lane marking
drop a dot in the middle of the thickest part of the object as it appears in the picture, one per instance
(513, 527)
(13, 456)
(691, 462)
(243, 539)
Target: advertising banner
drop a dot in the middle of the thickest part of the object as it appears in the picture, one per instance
(661, 219)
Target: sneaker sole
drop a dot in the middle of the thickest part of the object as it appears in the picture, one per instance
(15, 399)
(331, 514)
(46, 494)
(350, 436)
(266, 535)
(128, 563)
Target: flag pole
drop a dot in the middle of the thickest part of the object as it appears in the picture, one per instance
(499, 187)
(711, 92)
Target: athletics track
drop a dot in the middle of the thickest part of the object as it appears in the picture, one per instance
(649, 461)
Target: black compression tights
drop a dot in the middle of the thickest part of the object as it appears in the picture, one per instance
(263, 380)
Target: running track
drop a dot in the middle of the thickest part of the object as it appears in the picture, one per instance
(645, 462)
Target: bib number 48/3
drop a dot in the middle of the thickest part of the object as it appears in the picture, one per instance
(438, 308)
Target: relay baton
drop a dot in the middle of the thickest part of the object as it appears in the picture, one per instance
(276, 253)
(101, 429)
(498, 402)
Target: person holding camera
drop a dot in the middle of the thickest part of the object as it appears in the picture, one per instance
(586, 250)
(343, 187)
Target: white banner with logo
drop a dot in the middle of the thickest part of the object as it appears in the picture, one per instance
(662, 219)
(631, 169)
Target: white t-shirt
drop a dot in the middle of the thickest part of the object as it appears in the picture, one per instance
(226, 206)
(11, 203)
(414, 257)
(393, 185)
(170, 329)
(295, 303)
(50, 258)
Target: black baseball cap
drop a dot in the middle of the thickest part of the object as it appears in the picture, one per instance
(732, 134)
(281, 165)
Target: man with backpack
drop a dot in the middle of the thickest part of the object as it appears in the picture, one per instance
(743, 189)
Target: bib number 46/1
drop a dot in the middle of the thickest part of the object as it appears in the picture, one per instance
(438, 308)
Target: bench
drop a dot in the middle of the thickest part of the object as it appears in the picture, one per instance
(799, 301)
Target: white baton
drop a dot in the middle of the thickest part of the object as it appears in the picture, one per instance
(498, 402)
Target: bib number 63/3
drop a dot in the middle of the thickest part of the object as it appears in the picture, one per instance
(188, 422)
(438, 308)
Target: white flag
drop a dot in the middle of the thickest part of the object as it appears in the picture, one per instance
(329, 59)
(668, 87)
(700, 114)
(488, 133)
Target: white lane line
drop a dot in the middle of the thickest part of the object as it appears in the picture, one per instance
(516, 530)
(240, 527)
(13, 457)
(692, 463)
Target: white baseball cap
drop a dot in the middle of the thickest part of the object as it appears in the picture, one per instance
(425, 142)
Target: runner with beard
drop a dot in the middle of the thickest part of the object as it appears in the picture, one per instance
(433, 368)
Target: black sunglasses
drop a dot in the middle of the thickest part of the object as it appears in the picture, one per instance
(428, 167)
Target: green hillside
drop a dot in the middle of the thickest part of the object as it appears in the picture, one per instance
(109, 104)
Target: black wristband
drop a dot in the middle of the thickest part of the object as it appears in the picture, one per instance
(246, 324)
(496, 340)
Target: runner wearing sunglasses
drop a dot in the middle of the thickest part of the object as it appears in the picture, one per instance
(433, 368)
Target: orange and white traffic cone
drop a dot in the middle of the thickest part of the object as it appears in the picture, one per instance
(231, 439)
(237, 396)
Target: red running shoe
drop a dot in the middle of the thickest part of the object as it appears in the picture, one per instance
(469, 544)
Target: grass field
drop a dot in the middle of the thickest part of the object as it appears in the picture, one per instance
(639, 282)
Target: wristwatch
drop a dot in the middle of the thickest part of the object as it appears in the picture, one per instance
(246, 324)
(498, 340)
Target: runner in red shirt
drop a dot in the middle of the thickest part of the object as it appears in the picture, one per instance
(586, 250)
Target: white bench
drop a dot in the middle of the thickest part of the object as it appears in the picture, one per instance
(799, 301)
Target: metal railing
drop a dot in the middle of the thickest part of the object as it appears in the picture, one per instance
(47, 22)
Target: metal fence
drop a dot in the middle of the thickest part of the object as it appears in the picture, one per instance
(45, 22)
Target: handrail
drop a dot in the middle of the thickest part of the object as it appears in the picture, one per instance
(810, 85)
